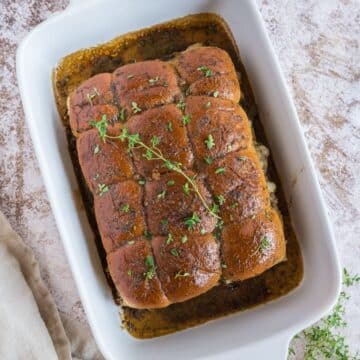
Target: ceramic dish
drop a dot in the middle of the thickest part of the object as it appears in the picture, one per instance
(263, 332)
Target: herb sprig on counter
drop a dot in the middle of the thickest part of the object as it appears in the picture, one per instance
(322, 340)
(152, 152)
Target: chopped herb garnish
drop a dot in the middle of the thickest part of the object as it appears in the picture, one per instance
(264, 244)
(169, 239)
(149, 262)
(125, 208)
(216, 94)
(129, 272)
(215, 208)
(174, 252)
(234, 205)
(181, 273)
(202, 231)
(170, 126)
(103, 189)
(96, 149)
(164, 222)
(210, 143)
(205, 70)
(130, 76)
(349, 280)
(223, 265)
(208, 160)
(181, 105)
(192, 221)
(141, 182)
(208, 104)
(186, 119)
(122, 114)
(96, 176)
(155, 140)
(186, 189)
(170, 183)
(154, 80)
(220, 199)
(165, 84)
(131, 242)
(101, 126)
(184, 239)
(220, 170)
(148, 234)
(135, 108)
(161, 195)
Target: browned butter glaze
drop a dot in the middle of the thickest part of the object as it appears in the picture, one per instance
(161, 41)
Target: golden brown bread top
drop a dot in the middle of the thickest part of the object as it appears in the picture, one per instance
(163, 244)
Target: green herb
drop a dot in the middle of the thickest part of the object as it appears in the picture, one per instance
(186, 189)
(264, 244)
(165, 84)
(103, 189)
(210, 143)
(202, 231)
(323, 340)
(169, 239)
(188, 91)
(216, 94)
(208, 160)
(96, 176)
(220, 170)
(207, 105)
(220, 199)
(97, 149)
(149, 262)
(164, 222)
(148, 234)
(174, 252)
(125, 208)
(135, 108)
(161, 195)
(349, 280)
(224, 266)
(215, 208)
(134, 140)
(122, 114)
(234, 205)
(205, 70)
(131, 242)
(181, 273)
(130, 76)
(170, 126)
(154, 80)
(141, 182)
(181, 105)
(186, 119)
(129, 272)
(184, 239)
(155, 140)
(101, 126)
(170, 183)
(192, 221)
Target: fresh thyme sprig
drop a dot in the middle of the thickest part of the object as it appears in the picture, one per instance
(152, 152)
(322, 341)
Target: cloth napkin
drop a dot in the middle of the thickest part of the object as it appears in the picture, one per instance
(30, 324)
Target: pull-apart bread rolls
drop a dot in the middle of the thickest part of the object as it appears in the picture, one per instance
(180, 198)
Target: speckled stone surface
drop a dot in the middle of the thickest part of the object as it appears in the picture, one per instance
(317, 43)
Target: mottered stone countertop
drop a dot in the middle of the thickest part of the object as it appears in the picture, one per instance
(317, 43)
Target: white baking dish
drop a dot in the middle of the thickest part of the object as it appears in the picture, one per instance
(261, 333)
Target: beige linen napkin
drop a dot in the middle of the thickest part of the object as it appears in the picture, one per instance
(30, 325)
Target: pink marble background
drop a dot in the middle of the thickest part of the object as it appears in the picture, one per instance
(317, 43)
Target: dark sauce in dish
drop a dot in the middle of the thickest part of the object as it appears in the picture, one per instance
(161, 41)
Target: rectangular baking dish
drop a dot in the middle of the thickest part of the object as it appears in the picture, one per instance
(263, 332)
